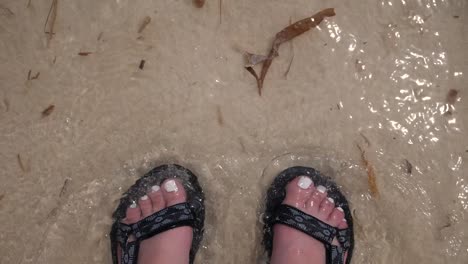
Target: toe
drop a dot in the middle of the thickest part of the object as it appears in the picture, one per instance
(326, 208)
(336, 217)
(157, 198)
(145, 205)
(343, 224)
(173, 192)
(298, 191)
(133, 214)
(315, 200)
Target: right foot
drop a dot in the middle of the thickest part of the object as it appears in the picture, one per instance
(172, 246)
(293, 246)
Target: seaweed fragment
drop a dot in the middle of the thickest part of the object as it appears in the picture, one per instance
(64, 187)
(142, 64)
(50, 21)
(219, 115)
(84, 53)
(23, 166)
(199, 3)
(6, 103)
(408, 166)
(144, 23)
(287, 34)
(451, 99)
(48, 110)
(371, 177)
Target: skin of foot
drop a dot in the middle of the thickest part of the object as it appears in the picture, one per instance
(172, 246)
(293, 246)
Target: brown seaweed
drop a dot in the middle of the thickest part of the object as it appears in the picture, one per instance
(219, 115)
(35, 77)
(371, 178)
(50, 21)
(23, 166)
(199, 3)
(144, 23)
(84, 53)
(48, 110)
(64, 187)
(287, 34)
(408, 166)
(142, 64)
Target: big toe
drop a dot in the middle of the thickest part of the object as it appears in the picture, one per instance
(298, 191)
(173, 192)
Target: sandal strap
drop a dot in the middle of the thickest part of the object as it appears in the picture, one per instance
(344, 237)
(169, 218)
(336, 255)
(295, 218)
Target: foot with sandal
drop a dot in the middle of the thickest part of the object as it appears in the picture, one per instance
(160, 219)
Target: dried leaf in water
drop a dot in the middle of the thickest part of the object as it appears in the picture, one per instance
(254, 59)
(285, 35)
(48, 110)
(199, 3)
(29, 75)
(84, 53)
(144, 23)
(35, 77)
(371, 178)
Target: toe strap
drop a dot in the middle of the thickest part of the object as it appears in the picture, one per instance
(171, 217)
(295, 218)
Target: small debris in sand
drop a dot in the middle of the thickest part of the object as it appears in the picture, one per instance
(35, 77)
(23, 166)
(220, 11)
(241, 143)
(451, 99)
(2, 196)
(5, 11)
(54, 60)
(48, 110)
(100, 36)
(29, 4)
(371, 178)
(283, 36)
(408, 166)
(199, 3)
(338, 106)
(144, 23)
(365, 139)
(64, 187)
(50, 21)
(6, 102)
(84, 53)
(219, 114)
(142, 64)
(452, 96)
(456, 16)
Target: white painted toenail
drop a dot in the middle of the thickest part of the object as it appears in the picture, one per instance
(331, 200)
(171, 186)
(133, 205)
(144, 198)
(340, 209)
(344, 220)
(304, 182)
(155, 188)
(321, 189)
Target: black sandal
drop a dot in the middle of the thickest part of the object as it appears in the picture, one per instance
(278, 213)
(190, 213)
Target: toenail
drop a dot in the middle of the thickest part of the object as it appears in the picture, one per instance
(331, 200)
(344, 220)
(304, 182)
(144, 198)
(340, 209)
(133, 205)
(155, 188)
(321, 189)
(171, 186)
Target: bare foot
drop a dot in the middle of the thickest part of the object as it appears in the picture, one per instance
(172, 246)
(293, 246)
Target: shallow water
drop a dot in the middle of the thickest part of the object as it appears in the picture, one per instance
(376, 75)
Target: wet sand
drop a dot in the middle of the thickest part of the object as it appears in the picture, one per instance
(376, 75)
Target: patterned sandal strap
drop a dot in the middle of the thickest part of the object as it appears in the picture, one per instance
(166, 219)
(295, 218)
